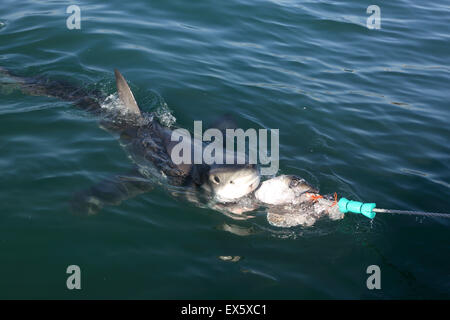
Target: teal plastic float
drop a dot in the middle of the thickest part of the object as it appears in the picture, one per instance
(365, 209)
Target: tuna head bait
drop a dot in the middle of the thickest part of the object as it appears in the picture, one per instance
(291, 201)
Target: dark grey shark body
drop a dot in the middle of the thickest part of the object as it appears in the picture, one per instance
(146, 140)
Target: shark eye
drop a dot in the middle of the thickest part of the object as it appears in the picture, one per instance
(232, 182)
(216, 179)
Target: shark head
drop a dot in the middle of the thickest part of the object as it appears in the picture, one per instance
(229, 182)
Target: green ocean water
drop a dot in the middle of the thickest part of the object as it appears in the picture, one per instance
(364, 113)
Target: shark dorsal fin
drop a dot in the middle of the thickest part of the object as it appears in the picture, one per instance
(125, 94)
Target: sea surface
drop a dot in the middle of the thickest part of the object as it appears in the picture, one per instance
(361, 112)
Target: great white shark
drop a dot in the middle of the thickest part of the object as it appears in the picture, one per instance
(231, 188)
(149, 144)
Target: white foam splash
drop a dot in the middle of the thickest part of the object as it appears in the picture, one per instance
(113, 104)
(165, 116)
